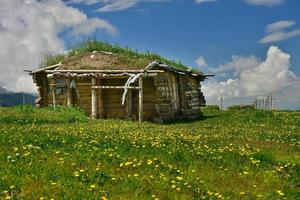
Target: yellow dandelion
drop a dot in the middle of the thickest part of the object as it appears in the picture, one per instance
(173, 186)
(128, 163)
(280, 193)
(242, 193)
(179, 178)
(7, 197)
(93, 186)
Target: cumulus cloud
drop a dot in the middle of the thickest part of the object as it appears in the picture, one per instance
(204, 1)
(29, 29)
(114, 5)
(277, 32)
(201, 62)
(264, 2)
(254, 77)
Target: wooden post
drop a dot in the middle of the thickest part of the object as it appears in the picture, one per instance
(175, 92)
(141, 99)
(53, 93)
(45, 91)
(69, 96)
(101, 115)
(129, 103)
(94, 99)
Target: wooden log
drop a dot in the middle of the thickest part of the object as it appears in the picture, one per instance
(53, 94)
(103, 71)
(69, 96)
(45, 92)
(141, 99)
(94, 100)
(100, 104)
(114, 87)
(129, 103)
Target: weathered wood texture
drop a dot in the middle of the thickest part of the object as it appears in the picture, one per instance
(165, 96)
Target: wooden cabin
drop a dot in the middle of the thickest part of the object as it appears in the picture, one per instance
(106, 85)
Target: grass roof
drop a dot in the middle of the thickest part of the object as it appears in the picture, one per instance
(122, 55)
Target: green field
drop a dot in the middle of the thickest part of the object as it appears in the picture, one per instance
(46, 154)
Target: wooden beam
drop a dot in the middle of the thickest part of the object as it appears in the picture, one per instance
(69, 96)
(94, 100)
(175, 91)
(53, 94)
(114, 87)
(141, 106)
(45, 92)
(100, 104)
(104, 71)
(129, 103)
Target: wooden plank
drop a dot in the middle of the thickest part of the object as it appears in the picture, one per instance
(141, 99)
(100, 104)
(53, 95)
(69, 96)
(129, 103)
(94, 100)
(114, 87)
(45, 92)
(103, 71)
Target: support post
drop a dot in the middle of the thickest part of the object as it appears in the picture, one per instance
(69, 96)
(101, 114)
(53, 94)
(141, 99)
(129, 103)
(94, 99)
(45, 91)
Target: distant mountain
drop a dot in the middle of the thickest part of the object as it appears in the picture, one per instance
(3, 90)
(8, 98)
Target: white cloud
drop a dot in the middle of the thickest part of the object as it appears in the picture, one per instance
(277, 26)
(115, 5)
(254, 78)
(237, 65)
(264, 2)
(89, 26)
(201, 62)
(277, 32)
(204, 1)
(29, 29)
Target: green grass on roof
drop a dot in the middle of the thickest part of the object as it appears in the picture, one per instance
(94, 45)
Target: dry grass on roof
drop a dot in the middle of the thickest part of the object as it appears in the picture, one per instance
(104, 61)
(122, 58)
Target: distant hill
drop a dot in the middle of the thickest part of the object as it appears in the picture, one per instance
(3, 90)
(8, 98)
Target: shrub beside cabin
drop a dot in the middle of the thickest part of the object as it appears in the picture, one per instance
(106, 85)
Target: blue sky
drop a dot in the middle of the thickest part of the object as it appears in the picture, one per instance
(252, 46)
(183, 30)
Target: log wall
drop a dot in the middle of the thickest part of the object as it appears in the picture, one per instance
(166, 96)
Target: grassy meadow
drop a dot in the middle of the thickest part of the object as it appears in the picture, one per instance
(246, 154)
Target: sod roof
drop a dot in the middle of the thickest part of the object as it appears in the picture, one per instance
(97, 55)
